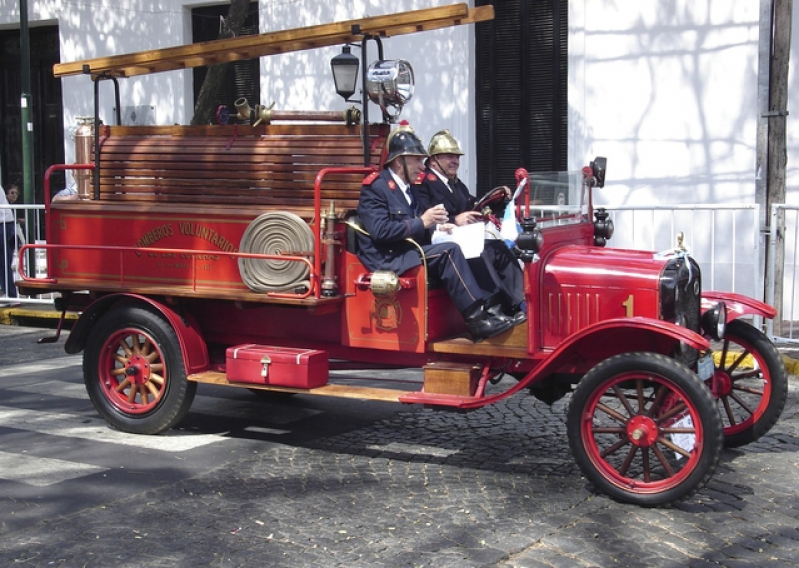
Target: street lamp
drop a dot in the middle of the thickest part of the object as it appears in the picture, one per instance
(345, 72)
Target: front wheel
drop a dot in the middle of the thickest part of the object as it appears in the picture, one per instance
(134, 372)
(750, 384)
(644, 429)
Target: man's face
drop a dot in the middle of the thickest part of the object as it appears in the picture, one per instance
(415, 165)
(447, 164)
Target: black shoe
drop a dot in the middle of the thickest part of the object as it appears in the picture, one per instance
(482, 325)
(518, 317)
(515, 315)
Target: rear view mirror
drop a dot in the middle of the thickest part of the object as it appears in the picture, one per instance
(598, 167)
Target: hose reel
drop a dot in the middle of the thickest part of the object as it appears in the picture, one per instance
(278, 232)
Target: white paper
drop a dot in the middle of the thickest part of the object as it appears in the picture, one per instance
(469, 237)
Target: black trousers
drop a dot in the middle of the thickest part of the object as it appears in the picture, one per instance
(498, 267)
(446, 263)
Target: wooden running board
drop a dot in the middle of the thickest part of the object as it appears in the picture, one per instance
(512, 344)
(340, 391)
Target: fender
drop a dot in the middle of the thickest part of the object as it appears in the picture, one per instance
(738, 305)
(192, 345)
(592, 344)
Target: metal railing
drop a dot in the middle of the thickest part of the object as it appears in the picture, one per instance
(724, 240)
(34, 234)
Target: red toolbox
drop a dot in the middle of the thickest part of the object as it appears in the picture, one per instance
(279, 366)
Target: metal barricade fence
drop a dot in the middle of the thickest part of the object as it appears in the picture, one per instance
(27, 234)
(724, 239)
(785, 220)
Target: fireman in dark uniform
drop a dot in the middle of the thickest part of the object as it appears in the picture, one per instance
(440, 184)
(390, 210)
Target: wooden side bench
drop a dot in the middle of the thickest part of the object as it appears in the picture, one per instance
(271, 166)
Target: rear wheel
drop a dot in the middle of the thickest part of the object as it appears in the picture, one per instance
(134, 371)
(644, 429)
(749, 382)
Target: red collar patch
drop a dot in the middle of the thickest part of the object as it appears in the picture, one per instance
(432, 177)
(391, 185)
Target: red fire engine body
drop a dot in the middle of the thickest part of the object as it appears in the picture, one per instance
(225, 254)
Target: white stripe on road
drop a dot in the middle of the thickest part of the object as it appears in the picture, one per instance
(68, 425)
(48, 365)
(41, 472)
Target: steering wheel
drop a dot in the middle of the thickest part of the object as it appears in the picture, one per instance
(491, 199)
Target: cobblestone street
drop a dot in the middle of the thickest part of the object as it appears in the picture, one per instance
(496, 487)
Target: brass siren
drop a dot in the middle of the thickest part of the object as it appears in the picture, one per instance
(266, 114)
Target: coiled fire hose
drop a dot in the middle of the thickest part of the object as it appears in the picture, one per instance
(278, 232)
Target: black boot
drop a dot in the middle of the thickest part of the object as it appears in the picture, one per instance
(482, 325)
(516, 314)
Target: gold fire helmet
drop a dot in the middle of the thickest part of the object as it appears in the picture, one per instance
(443, 142)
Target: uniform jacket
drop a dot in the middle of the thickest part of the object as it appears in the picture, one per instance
(434, 191)
(390, 220)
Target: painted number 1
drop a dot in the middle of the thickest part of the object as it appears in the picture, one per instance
(628, 306)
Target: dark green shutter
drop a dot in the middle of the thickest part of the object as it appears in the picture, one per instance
(521, 89)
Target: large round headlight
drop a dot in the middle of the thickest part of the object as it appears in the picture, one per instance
(714, 321)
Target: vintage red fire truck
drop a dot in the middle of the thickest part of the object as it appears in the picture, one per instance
(224, 254)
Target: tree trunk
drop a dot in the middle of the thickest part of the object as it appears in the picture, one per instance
(209, 93)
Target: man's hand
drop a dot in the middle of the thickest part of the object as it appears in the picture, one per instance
(468, 217)
(436, 215)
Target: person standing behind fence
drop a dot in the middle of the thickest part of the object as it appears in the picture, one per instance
(9, 226)
(12, 194)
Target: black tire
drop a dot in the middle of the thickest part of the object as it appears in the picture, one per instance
(750, 384)
(134, 372)
(622, 422)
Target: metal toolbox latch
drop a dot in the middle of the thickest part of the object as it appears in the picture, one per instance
(265, 361)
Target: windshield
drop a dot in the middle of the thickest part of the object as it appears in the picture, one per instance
(556, 198)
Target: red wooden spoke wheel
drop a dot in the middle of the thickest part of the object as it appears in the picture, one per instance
(134, 371)
(750, 384)
(134, 377)
(644, 429)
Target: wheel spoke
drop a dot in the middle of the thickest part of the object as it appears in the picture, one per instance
(728, 410)
(663, 461)
(657, 401)
(673, 447)
(647, 468)
(623, 399)
(157, 379)
(612, 413)
(743, 404)
(123, 385)
(749, 390)
(627, 461)
(125, 347)
(152, 388)
(614, 448)
(132, 394)
(674, 411)
(738, 360)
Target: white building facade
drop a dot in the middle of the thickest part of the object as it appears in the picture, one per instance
(666, 90)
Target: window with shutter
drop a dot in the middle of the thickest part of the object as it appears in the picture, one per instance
(521, 90)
